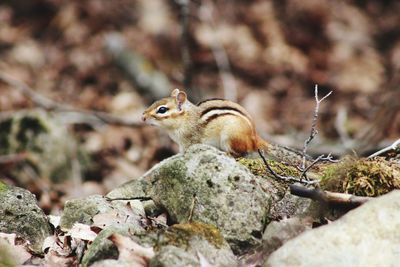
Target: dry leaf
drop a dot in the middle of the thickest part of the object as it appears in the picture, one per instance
(54, 220)
(12, 253)
(132, 252)
(82, 231)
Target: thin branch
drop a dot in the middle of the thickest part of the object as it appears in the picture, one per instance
(321, 158)
(314, 130)
(282, 177)
(394, 146)
(303, 168)
(51, 105)
(127, 198)
(331, 198)
(192, 206)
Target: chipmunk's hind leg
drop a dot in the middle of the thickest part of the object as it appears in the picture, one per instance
(239, 143)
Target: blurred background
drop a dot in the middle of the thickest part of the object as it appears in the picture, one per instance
(62, 60)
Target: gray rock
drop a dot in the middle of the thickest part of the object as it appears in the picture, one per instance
(111, 263)
(52, 149)
(292, 206)
(276, 234)
(212, 188)
(20, 214)
(83, 210)
(102, 248)
(366, 236)
(171, 256)
(196, 239)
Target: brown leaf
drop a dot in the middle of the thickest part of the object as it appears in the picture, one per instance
(132, 252)
(82, 231)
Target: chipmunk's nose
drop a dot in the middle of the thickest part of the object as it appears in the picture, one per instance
(143, 118)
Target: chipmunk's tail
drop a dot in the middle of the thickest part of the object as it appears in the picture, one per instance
(262, 144)
(280, 153)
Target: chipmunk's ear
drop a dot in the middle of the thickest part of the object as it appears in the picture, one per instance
(180, 99)
(175, 92)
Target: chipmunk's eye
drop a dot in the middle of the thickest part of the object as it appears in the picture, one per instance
(162, 110)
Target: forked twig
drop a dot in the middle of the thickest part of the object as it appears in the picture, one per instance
(282, 177)
(314, 130)
(303, 168)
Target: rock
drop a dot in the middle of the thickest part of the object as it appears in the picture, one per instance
(21, 215)
(83, 210)
(366, 236)
(276, 234)
(193, 239)
(171, 256)
(292, 206)
(210, 187)
(111, 263)
(122, 217)
(102, 248)
(51, 148)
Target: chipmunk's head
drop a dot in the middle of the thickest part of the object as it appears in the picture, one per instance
(166, 112)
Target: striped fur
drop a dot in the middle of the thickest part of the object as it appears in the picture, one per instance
(216, 122)
(215, 108)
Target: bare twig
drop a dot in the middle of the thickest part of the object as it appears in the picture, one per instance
(51, 105)
(331, 198)
(303, 168)
(127, 198)
(192, 206)
(221, 58)
(321, 158)
(282, 177)
(394, 146)
(314, 130)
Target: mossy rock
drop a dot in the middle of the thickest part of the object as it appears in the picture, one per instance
(210, 187)
(48, 146)
(180, 234)
(257, 167)
(192, 239)
(171, 256)
(20, 214)
(361, 177)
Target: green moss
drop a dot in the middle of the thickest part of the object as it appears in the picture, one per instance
(29, 128)
(5, 127)
(361, 177)
(176, 171)
(179, 235)
(3, 187)
(257, 167)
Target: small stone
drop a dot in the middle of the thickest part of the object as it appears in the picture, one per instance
(20, 214)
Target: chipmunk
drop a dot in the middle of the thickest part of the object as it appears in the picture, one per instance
(216, 122)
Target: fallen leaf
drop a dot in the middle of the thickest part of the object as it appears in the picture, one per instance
(54, 220)
(82, 231)
(132, 252)
(12, 254)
